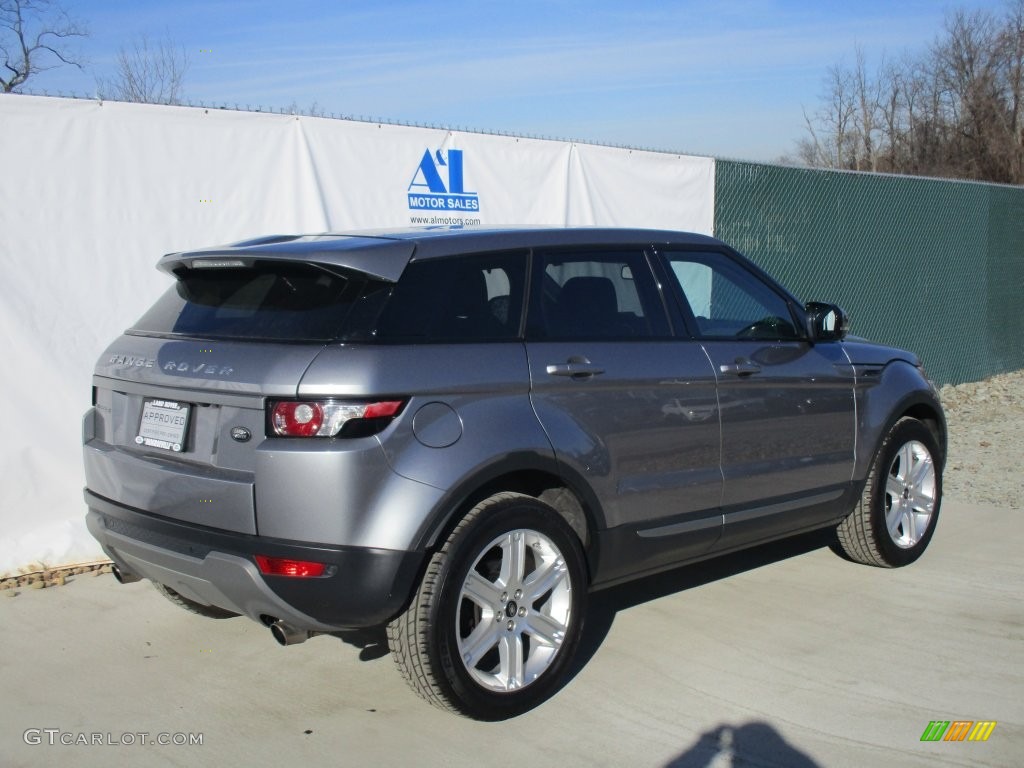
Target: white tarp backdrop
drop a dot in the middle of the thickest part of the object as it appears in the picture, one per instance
(93, 193)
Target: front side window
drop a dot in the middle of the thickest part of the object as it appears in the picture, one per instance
(595, 295)
(729, 302)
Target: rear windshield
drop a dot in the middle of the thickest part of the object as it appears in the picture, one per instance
(268, 301)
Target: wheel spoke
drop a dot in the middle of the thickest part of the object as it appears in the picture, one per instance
(895, 517)
(544, 629)
(924, 504)
(906, 457)
(510, 650)
(543, 580)
(513, 558)
(481, 591)
(910, 534)
(920, 473)
(894, 488)
(484, 636)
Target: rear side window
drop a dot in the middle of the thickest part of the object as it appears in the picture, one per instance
(463, 298)
(268, 301)
(596, 295)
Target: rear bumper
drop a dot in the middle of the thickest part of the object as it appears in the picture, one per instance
(364, 587)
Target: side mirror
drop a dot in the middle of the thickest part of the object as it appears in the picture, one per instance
(826, 322)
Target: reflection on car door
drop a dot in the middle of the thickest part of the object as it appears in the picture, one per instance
(786, 405)
(627, 407)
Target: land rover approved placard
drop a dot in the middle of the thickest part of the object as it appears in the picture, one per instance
(164, 424)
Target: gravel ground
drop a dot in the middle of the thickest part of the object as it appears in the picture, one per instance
(986, 440)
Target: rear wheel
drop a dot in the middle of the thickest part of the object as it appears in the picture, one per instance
(896, 515)
(494, 624)
(209, 611)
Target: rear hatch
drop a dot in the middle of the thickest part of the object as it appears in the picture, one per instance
(180, 398)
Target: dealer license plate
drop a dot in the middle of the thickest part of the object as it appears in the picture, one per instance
(164, 424)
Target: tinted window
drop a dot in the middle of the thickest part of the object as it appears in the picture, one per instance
(729, 302)
(273, 301)
(605, 295)
(465, 298)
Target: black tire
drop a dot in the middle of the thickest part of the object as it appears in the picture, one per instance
(428, 640)
(209, 611)
(896, 515)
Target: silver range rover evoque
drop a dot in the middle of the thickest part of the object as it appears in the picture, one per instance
(458, 434)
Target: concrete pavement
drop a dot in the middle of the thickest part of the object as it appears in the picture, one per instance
(782, 656)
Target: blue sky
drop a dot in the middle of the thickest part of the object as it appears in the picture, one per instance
(727, 79)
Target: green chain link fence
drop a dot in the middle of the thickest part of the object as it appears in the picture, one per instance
(930, 265)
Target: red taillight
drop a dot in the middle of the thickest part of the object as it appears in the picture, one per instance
(297, 419)
(331, 418)
(282, 566)
(382, 409)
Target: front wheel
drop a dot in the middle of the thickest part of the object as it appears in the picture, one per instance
(896, 515)
(494, 624)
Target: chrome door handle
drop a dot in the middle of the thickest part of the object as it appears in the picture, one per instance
(575, 368)
(740, 368)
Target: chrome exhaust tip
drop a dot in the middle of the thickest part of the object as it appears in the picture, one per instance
(286, 634)
(123, 577)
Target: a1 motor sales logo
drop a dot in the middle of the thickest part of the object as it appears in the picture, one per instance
(438, 184)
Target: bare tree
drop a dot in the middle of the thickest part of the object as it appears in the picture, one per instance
(957, 110)
(867, 119)
(831, 142)
(967, 66)
(1012, 43)
(313, 110)
(35, 35)
(895, 97)
(148, 72)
